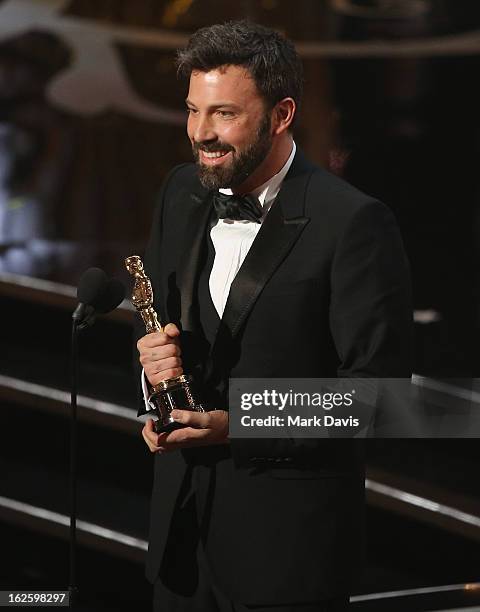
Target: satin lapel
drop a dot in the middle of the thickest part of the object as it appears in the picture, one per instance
(189, 267)
(279, 232)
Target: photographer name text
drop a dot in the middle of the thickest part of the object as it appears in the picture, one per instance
(298, 421)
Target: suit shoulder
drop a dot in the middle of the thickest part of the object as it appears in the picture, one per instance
(331, 195)
(179, 179)
(324, 182)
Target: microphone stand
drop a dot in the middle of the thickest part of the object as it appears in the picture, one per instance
(73, 589)
(83, 317)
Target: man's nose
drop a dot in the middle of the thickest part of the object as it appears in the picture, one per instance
(203, 130)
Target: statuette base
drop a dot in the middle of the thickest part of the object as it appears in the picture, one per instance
(172, 393)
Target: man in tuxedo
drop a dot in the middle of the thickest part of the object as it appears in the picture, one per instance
(266, 267)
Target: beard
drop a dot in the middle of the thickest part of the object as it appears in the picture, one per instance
(243, 163)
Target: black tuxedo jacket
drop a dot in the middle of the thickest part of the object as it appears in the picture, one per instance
(323, 291)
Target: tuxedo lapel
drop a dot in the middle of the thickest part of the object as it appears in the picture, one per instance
(188, 270)
(281, 229)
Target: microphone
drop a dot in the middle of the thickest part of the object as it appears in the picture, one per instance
(90, 286)
(97, 294)
(111, 296)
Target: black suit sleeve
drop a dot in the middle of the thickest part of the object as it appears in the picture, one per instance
(371, 315)
(370, 307)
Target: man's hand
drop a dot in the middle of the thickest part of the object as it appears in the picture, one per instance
(160, 354)
(203, 429)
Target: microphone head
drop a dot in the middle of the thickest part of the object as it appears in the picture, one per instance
(91, 285)
(110, 297)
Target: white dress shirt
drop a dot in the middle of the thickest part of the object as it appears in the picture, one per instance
(232, 239)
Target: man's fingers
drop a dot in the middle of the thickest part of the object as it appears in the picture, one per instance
(171, 330)
(158, 353)
(155, 367)
(168, 441)
(169, 364)
(200, 420)
(152, 340)
(200, 429)
(149, 437)
(149, 427)
(186, 436)
(154, 441)
(158, 339)
(154, 379)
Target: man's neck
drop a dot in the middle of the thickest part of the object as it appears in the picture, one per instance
(271, 165)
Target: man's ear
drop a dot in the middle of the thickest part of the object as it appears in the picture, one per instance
(282, 115)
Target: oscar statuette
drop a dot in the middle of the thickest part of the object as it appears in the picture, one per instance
(177, 392)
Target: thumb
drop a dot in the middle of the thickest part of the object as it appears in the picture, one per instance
(149, 426)
(171, 330)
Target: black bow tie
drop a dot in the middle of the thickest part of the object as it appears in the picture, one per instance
(237, 207)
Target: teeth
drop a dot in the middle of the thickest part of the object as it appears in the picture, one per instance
(214, 154)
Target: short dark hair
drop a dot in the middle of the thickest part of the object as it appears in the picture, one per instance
(270, 58)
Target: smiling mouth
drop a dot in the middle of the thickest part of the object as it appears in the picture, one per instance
(213, 156)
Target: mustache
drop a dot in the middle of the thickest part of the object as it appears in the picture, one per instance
(209, 147)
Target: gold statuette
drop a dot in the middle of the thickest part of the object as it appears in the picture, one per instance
(177, 392)
(142, 295)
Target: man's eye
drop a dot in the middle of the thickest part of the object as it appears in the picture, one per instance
(191, 111)
(225, 113)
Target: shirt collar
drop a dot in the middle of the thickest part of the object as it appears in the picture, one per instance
(267, 192)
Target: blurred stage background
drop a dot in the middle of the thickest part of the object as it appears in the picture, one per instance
(91, 119)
